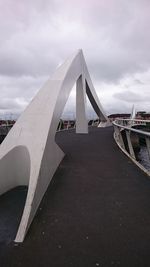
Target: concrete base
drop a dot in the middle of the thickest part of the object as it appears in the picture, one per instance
(104, 124)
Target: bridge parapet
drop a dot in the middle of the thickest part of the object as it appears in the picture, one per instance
(128, 138)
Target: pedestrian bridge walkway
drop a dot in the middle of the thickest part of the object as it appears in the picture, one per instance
(96, 211)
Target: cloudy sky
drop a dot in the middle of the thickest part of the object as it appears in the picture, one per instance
(38, 35)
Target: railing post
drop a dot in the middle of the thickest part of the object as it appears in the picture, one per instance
(148, 145)
(119, 137)
(130, 144)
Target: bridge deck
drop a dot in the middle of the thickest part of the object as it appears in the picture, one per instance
(96, 211)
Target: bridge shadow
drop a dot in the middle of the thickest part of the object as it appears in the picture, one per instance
(11, 209)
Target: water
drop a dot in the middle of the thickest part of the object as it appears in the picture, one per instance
(143, 157)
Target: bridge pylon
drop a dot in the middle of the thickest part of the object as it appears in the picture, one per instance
(29, 154)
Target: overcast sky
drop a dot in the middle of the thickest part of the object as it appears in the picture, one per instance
(38, 35)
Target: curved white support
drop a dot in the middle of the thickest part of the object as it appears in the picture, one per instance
(29, 154)
(133, 113)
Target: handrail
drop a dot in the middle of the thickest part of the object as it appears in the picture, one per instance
(140, 120)
(132, 129)
(125, 141)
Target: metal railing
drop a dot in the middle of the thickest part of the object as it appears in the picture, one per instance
(71, 124)
(132, 122)
(129, 138)
(62, 126)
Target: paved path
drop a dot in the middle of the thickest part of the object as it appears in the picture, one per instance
(96, 211)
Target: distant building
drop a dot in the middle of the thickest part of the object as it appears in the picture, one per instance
(112, 117)
(142, 115)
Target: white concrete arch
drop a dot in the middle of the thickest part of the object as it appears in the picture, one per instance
(32, 139)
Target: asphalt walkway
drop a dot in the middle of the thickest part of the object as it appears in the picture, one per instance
(96, 211)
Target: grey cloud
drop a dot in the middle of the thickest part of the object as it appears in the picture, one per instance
(132, 97)
(11, 104)
(36, 35)
(135, 82)
(117, 37)
(16, 93)
(138, 81)
(114, 41)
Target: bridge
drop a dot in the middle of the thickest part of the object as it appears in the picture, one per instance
(95, 211)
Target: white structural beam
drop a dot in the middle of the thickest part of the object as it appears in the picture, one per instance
(29, 154)
(81, 118)
(133, 113)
